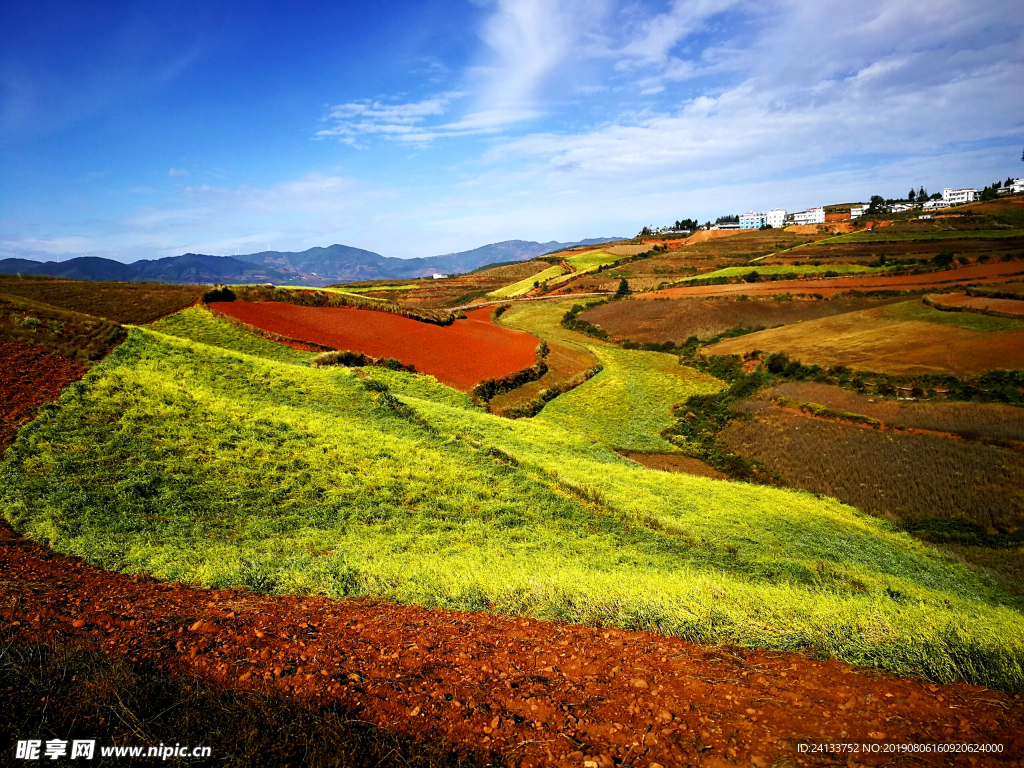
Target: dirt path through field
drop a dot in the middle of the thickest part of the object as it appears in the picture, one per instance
(458, 355)
(532, 692)
(975, 274)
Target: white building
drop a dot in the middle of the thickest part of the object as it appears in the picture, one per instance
(776, 217)
(439, 276)
(725, 225)
(901, 207)
(959, 196)
(1018, 186)
(752, 220)
(856, 211)
(932, 205)
(810, 216)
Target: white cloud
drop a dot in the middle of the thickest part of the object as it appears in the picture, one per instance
(175, 173)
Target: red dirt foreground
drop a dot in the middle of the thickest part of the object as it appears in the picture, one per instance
(520, 691)
(459, 355)
(29, 377)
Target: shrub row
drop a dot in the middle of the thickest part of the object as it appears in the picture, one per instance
(536, 405)
(700, 420)
(990, 387)
(572, 322)
(824, 412)
(491, 387)
(357, 360)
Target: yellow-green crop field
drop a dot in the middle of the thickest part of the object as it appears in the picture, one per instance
(787, 269)
(524, 285)
(197, 453)
(587, 262)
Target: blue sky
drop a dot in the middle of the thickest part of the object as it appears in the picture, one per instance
(133, 130)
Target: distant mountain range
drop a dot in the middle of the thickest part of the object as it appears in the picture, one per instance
(315, 267)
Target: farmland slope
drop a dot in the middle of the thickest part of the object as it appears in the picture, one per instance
(195, 462)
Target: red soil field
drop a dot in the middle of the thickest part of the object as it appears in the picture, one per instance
(29, 377)
(974, 274)
(999, 307)
(459, 355)
(517, 691)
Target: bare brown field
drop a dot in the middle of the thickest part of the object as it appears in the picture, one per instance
(854, 253)
(626, 250)
(1016, 288)
(563, 362)
(882, 341)
(986, 421)
(976, 274)
(135, 303)
(983, 304)
(893, 474)
(829, 227)
(29, 376)
(678, 319)
(73, 335)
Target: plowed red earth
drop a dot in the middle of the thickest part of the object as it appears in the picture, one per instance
(29, 377)
(975, 274)
(459, 355)
(528, 692)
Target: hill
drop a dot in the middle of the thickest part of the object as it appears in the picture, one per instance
(315, 267)
(188, 268)
(345, 263)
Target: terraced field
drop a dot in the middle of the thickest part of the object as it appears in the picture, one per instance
(905, 338)
(526, 284)
(677, 320)
(197, 462)
(786, 269)
(585, 263)
(892, 235)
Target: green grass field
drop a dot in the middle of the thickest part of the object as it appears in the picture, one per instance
(196, 453)
(882, 235)
(524, 285)
(972, 321)
(786, 269)
(630, 402)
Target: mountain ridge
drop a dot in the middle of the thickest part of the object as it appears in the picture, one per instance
(314, 267)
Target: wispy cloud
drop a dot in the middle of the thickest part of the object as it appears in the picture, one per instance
(400, 121)
(175, 173)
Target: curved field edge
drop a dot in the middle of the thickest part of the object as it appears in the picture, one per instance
(198, 463)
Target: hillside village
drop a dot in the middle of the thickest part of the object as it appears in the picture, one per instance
(778, 218)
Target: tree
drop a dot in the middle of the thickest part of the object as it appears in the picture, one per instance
(922, 194)
(623, 289)
(911, 195)
(877, 205)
